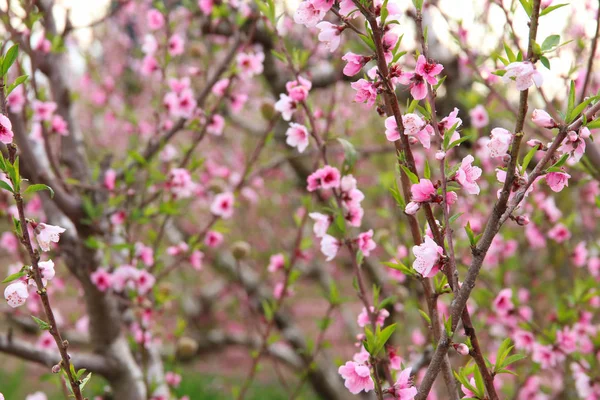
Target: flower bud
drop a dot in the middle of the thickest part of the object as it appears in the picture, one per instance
(56, 368)
(522, 220)
(440, 155)
(412, 208)
(240, 250)
(584, 132)
(543, 119)
(461, 349)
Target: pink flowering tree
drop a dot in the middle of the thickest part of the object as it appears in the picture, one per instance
(382, 199)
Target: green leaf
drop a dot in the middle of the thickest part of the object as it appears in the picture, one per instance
(509, 53)
(470, 234)
(16, 83)
(9, 59)
(382, 338)
(571, 103)
(479, 383)
(425, 316)
(549, 9)
(418, 4)
(350, 155)
(550, 42)
(6, 186)
(38, 187)
(412, 177)
(459, 141)
(579, 109)
(43, 325)
(454, 217)
(448, 135)
(545, 62)
(85, 381)
(560, 162)
(15, 276)
(527, 6)
(427, 172)
(528, 157)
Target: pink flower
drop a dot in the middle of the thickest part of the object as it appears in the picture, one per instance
(423, 191)
(544, 355)
(276, 263)
(144, 253)
(418, 89)
(37, 396)
(321, 225)
(196, 259)
(16, 100)
(566, 340)
(357, 377)
(308, 14)
(16, 294)
(364, 317)
(366, 242)
(324, 178)
(297, 136)
(324, 5)
(415, 127)
(391, 129)
(110, 177)
(479, 117)
(365, 92)
(354, 63)
(6, 133)
(428, 70)
(45, 234)
(503, 304)
(46, 271)
(448, 122)
(46, 341)
(206, 6)
(330, 35)
(580, 254)
(298, 89)
(250, 64)
(524, 340)
(149, 45)
(286, 106)
(213, 239)
(500, 142)
(155, 19)
(427, 256)
(462, 349)
(557, 180)
(149, 65)
(524, 73)
(278, 291)
(559, 233)
(176, 45)
(216, 125)
(180, 183)
(43, 111)
(403, 389)
(412, 208)
(172, 379)
(542, 118)
(330, 247)
(467, 175)
(102, 279)
(144, 282)
(222, 205)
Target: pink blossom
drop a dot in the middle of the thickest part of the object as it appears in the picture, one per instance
(324, 5)
(46, 341)
(479, 117)
(423, 191)
(220, 87)
(6, 133)
(500, 142)
(216, 125)
(544, 355)
(206, 6)
(391, 129)
(196, 259)
(324, 178)
(144, 253)
(16, 100)
(418, 88)
(524, 340)
(179, 85)
(46, 234)
(357, 377)
(557, 180)
(580, 254)
(37, 396)
(250, 64)
(415, 127)
(364, 318)
(144, 281)
(180, 183)
(467, 175)
(149, 65)
(365, 92)
(543, 119)
(286, 106)
(427, 256)
(110, 177)
(278, 291)
(321, 225)
(176, 45)
(524, 73)
(222, 205)
(354, 63)
(213, 239)
(503, 304)
(46, 271)
(155, 19)
(298, 89)
(566, 340)
(102, 279)
(297, 136)
(43, 111)
(330, 35)
(559, 233)
(428, 70)
(366, 243)
(330, 247)
(412, 208)
(172, 379)
(16, 294)
(149, 45)
(404, 389)
(448, 122)
(9, 242)
(347, 7)
(308, 14)
(462, 349)
(276, 263)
